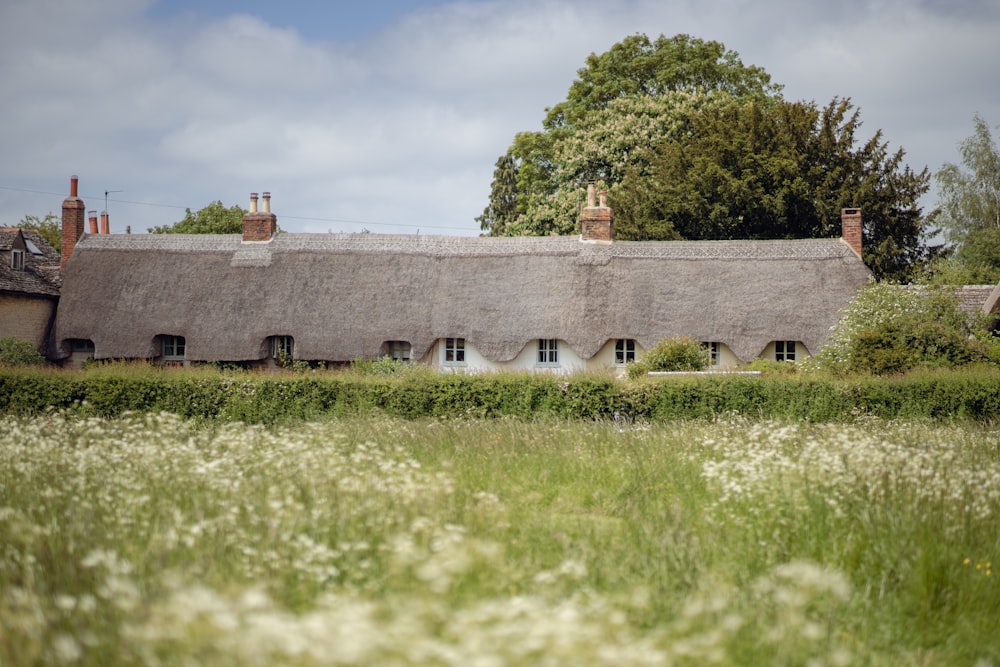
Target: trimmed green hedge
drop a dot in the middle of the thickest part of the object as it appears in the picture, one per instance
(970, 393)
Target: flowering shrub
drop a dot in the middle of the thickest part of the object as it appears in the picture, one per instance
(888, 328)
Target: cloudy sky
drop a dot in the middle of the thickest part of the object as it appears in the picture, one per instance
(388, 115)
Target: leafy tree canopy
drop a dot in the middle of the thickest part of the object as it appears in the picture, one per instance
(213, 219)
(637, 67)
(623, 102)
(779, 170)
(50, 228)
(691, 143)
(970, 193)
(970, 209)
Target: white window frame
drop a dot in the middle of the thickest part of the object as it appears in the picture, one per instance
(282, 346)
(548, 352)
(17, 260)
(453, 352)
(784, 350)
(624, 351)
(173, 348)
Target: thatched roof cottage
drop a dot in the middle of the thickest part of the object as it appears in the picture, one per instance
(553, 303)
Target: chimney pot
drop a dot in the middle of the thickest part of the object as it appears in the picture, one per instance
(74, 219)
(105, 223)
(596, 222)
(852, 229)
(259, 225)
(93, 222)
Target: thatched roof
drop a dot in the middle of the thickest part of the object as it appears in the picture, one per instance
(40, 276)
(342, 295)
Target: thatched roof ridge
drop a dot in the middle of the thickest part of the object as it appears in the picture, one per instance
(342, 295)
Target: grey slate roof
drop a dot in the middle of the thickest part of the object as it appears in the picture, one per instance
(342, 295)
(41, 276)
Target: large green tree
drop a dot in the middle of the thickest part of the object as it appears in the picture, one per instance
(622, 104)
(691, 143)
(502, 210)
(213, 219)
(753, 170)
(970, 205)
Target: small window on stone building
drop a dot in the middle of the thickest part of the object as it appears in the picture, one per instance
(17, 260)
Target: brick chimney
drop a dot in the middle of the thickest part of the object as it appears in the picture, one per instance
(851, 230)
(259, 225)
(596, 219)
(74, 213)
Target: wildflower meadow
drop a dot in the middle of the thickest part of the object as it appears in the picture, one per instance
(148, 539)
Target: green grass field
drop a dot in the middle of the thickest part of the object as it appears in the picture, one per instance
(150, 540)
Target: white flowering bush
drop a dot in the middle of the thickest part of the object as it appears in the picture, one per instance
(888, 328)
(154, 540)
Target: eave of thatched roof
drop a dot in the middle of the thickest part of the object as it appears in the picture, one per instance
(342, 295)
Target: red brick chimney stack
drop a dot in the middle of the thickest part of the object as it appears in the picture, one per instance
(851, 228)
(259, 225)
(74, 213)
(92, 219)
(105, 223)
(596, 219)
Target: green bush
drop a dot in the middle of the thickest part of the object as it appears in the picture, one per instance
(910, 341)
(16, 352)
(890, 328)
(972, 392)
(679, 353)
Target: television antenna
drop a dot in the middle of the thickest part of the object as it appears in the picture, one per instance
(106, 193)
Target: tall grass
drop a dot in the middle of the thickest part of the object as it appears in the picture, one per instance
(149, 539)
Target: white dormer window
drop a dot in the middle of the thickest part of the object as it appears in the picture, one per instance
(548, 352)
(454, 351)
(624, 351)
(714, 359)
(17, 260)
(784, 350)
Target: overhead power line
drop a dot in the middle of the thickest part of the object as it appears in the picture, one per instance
(342, 221)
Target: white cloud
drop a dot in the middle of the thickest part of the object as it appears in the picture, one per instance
(404, 127)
